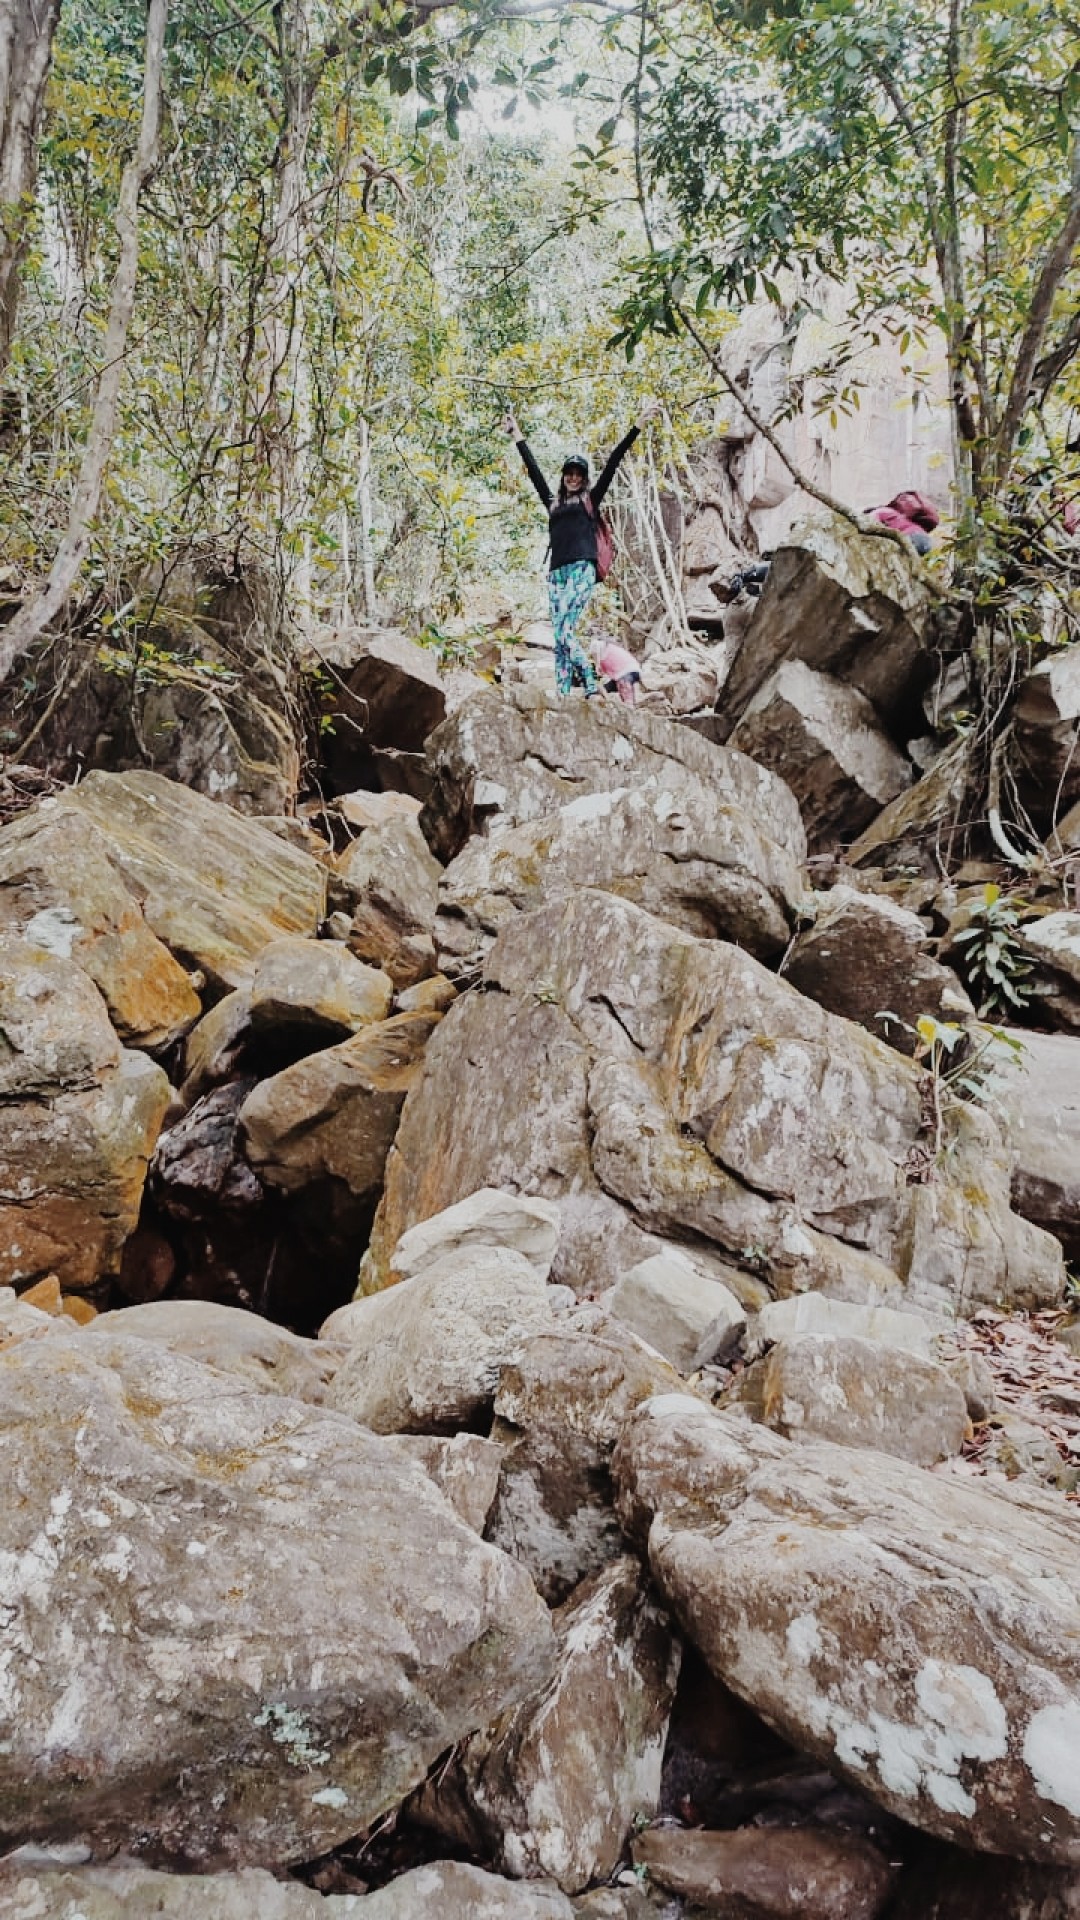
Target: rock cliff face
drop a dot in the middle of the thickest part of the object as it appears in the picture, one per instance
(533, 1314)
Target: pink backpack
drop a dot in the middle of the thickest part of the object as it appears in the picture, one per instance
(605, 540)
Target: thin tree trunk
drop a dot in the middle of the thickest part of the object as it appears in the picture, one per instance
(365, 513)
(32, 619)
(27, 31)
(1056, 264)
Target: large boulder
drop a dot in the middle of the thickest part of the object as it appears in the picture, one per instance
(79, 1117)
(556, 1785)
(908, 834)
(426, 1356)
(392, 881)
(328, 1121)
(850, 604)
(688, 856)
(240, 1628)
(1053, 944)
(224, 740)
(663, 1087)
(559, 1410)
(214, 887)
(869, 959)
(920, 1635)
(317, 987)
(382, 695)
(59, 890)
(688, 1316)
(521, 755)
(805, 1873)
(824, 738)
(810, 1316)
(1046, 734)
(262, 1355)
(1039, 1092)
(446, 1890)
(489, 1217)
(133, 1893)
(859, 1394)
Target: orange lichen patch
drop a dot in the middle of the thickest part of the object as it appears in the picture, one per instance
(44, 1294)
(78, 1310)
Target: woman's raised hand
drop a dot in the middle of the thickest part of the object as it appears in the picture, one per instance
(650, 411)
(510, 425)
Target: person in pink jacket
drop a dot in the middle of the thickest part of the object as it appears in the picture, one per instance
(620, 670)
(912, 514)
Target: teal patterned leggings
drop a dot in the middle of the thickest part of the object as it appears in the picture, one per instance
(569, 592)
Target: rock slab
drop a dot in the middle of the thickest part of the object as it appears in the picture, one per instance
(918, 1634)
(238, 1628)
(556, 1786)
(79, 1116)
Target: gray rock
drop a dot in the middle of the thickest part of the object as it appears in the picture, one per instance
(665, 1088)
(555, 1786)
(214, 887)
(317, 985)
(1039, 1093)
(465, 1468)
(426, 1356)
(1046, 730)
(867, 958)
(392, 881)
(133, 1893)
(264, 1356)
(1053, 943)
(198, 1169)
(18, 1318)
(685, 1314)
(447, 1890)
(907, 834)
(802, 1873)
(859, 1395)
(79, 1117)
(490, 1217)
(848, 604)
(558, 1413)
(917, 1633)
(806, 1315)
(522, 755)
(450, 1890)
(836, 759)
(680, 851)
(240, 1628)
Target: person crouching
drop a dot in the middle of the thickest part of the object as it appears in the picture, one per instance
(619, 670)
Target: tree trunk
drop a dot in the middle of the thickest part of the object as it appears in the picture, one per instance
(27, 30)
(365, 515)
(32, 619)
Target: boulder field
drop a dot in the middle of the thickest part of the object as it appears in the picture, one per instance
(513, 1328)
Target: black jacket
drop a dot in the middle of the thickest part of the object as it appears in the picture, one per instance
(572, 527)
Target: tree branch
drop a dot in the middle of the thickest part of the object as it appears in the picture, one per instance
(1052, 364)
(1055, 266)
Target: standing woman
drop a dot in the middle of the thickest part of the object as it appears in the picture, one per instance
(572, 526)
